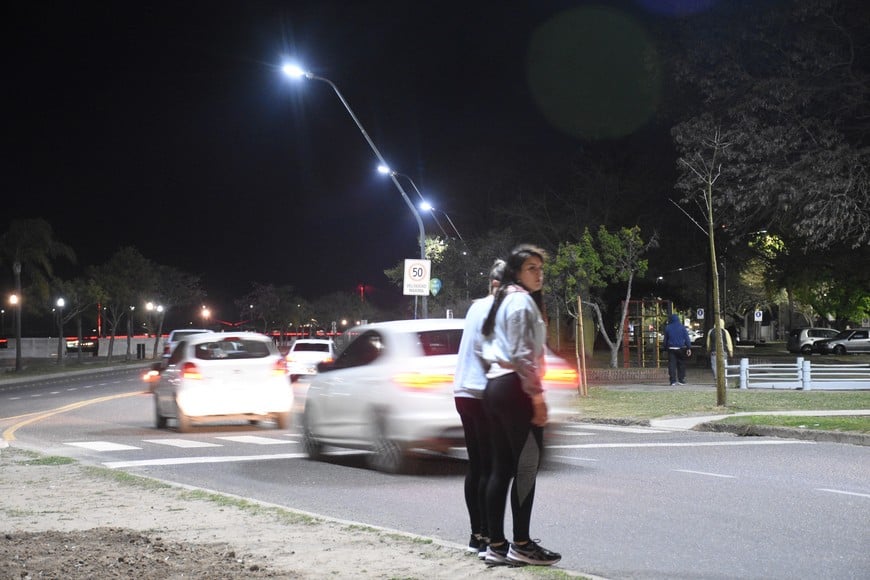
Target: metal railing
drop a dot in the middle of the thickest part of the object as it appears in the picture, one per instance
(801, 374)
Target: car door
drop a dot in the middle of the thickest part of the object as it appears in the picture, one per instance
(859, 341)
(342, 395)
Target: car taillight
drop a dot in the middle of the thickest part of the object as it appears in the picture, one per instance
(151, 376)
(190, 371)
(561, 378)
(280, 367)
(422, 381)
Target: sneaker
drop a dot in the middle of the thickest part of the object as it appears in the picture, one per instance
(673, 384)
(476, 544)
(533, 554)
(483, 548)
(683, 383)
(497, 554)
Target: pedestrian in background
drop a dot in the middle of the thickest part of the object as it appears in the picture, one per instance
(514, 339)
(468, 386)
(679, 347)
(727, 345)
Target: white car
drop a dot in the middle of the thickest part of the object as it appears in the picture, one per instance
(305, 353)
(390, 392)
(223, 377)
(173, 339)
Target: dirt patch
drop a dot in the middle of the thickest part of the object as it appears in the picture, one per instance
(72, 522)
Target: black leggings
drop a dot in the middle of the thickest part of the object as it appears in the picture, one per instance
(477, 441)
(517, 448)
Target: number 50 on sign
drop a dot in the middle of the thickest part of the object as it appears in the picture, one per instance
(417, 277)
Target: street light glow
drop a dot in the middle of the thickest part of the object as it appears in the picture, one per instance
(294, 71)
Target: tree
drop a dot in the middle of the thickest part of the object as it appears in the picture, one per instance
(29, 246)
(173, 288)
(123, 281)
(593, 263)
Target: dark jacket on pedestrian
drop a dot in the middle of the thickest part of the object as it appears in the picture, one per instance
(676, 335)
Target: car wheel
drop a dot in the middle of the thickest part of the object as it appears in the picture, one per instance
(807, 349)
(310, 444)
(282, 420)
(387, 454)
(840, 349)
(183, 420)
(159, 419)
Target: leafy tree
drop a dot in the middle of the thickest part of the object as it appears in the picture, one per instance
(29, 246)
(123, 281)
(173, 288)
(593, 263)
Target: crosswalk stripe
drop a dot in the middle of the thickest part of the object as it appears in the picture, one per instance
(102, 446)
(183, 443)
(256, 440)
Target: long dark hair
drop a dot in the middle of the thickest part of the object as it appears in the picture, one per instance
(511, 275)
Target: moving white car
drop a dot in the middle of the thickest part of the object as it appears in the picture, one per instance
(223, 377)
(390, 392)
(306, 353)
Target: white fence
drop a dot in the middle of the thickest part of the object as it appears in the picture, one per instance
(801, 374)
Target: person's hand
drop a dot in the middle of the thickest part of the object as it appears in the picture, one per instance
(688, 352)
(539, 411)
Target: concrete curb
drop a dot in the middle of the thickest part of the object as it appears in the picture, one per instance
(786, 433)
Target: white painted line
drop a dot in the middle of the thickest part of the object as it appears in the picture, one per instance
(14, 399)
(184, 443)
(568, 458)
(706, 473)
(200, 460)
(102, 446)
(705, 444)
(572, 433)
(256, 440)
(620, 429)
(867, 495)
(54, 393)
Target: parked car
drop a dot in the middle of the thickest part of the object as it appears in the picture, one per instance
(223, 377)
(305, 353)
(846, 342)
(800, 340)
(390, 391)
(175, 337)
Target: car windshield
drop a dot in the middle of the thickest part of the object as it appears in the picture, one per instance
(843, 334)
(231, 349)
(311, 347)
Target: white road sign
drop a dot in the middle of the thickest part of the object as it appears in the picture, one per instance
(417, 274)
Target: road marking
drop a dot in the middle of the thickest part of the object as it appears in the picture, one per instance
(569, 458)
(704, 444)
(184, 443)
(256, 440)
(102, 446)
(844, 492)
(200, 460)
(706, 473)
(620, 429)
(572, 433)
(9, 434)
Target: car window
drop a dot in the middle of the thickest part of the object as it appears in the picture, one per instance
(362, 351)
(310, 347)
(843, 334)
(859, 334)
(438, 342)
(231, 349)
(177, 352)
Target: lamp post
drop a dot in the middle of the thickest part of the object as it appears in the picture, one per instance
(383, 169)
(14, 301)
(296, 72)
(60, 304)
(150, 307)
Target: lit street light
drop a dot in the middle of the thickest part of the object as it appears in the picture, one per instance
(16, 305)
(150, 307)
(60, 304)
(426, 206)
(294, 71)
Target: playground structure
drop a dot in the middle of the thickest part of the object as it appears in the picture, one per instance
(641, 333)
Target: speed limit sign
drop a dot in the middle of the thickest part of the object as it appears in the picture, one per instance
(417, 274)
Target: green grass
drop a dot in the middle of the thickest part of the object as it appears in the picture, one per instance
(857, 424)
(642, 405)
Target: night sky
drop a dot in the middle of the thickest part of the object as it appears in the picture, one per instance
(169, 126)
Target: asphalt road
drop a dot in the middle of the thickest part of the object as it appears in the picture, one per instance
(618, 502)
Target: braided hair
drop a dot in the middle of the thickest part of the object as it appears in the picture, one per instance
(511, 275)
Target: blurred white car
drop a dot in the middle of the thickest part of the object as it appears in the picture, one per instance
(390, 391)
(173, 339)
(305, 353)
(223, 377)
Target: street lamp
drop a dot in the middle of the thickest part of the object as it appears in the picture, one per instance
(60, 304)
(426, 206)
(150, 307)
(16, 305)
(294, 71)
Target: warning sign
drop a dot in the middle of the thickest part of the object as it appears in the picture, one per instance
(417, 277)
